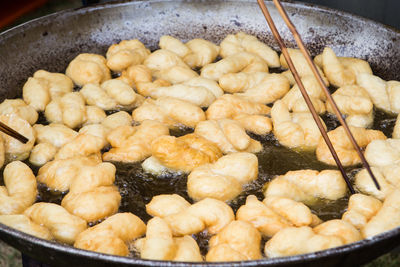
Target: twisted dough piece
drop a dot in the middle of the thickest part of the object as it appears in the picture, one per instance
(257, 124)
(69, 109)
(228, 135)
(275, 213)
(88, 68)
(59, 174)
(110, 95)
(344, 149)
(296, 129)
(235, 43)
(44, 152)
(295, 102)
(259, 87)
(54, 133)
(361, 209)
(199, 91)
(49, 139)
(229, 106)
(159, 244)
(140, 77)
(301, 65)
(307, 185)
(44, 86)
(242, 61)
(166, 65)
(181, 154)
(354, 102)
(20, 189)
(293, 241)
(19, 108)
(112, 235)
(238, 241)
(117, 119)
(172, 112)
(24, 224)
(131, 144)
(186, 219)
(386, 176)
(384, 157)
(387, 218)
(92, 195)
(126, 53)
(384, 94)
(63, 226)
(341, 71)
(224, 179)
(84, 144)
(13, 148)
(195, 53)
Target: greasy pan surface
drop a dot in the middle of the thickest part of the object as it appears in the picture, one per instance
(51, 42)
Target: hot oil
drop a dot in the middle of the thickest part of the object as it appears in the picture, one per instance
(138, 187)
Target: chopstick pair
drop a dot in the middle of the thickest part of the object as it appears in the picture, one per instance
(11, 132)
(296, 76)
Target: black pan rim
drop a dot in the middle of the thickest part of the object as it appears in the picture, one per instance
(70, 250)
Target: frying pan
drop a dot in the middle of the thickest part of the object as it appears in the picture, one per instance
(51, 42)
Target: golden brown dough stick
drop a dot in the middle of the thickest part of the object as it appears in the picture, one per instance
(344, 149)
(300, 64)
(59, 174)
(20, 108)
(384, 94)
(294, 129)
(88, 68)
(159, 244)
(361, 209)
(13, 148)
(259, 87)
(239, 240)
(92, 195)
(131, 144)
(64, 226)
(354, 102)
(24, 224)
(186, 219)
(307, 185)
(229, 106)
(195, 53)
(184, 153)
(275, 213)
(112, 235)
(126, 53)
(224, 179)
(20, 189)
(293, 241)
(69, 109)
(242, 61)
(84, 144)
(170, 111)
(44, 86)
(387, 218)
(234, 43)
(228, 135)
(294, 99)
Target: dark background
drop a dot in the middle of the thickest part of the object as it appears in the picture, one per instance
(13, 12)
(384, 11)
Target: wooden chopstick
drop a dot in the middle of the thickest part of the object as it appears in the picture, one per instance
(304, 92)
(338, 114)
(11, 132)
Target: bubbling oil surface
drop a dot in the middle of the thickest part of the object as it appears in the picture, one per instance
(137, 187)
